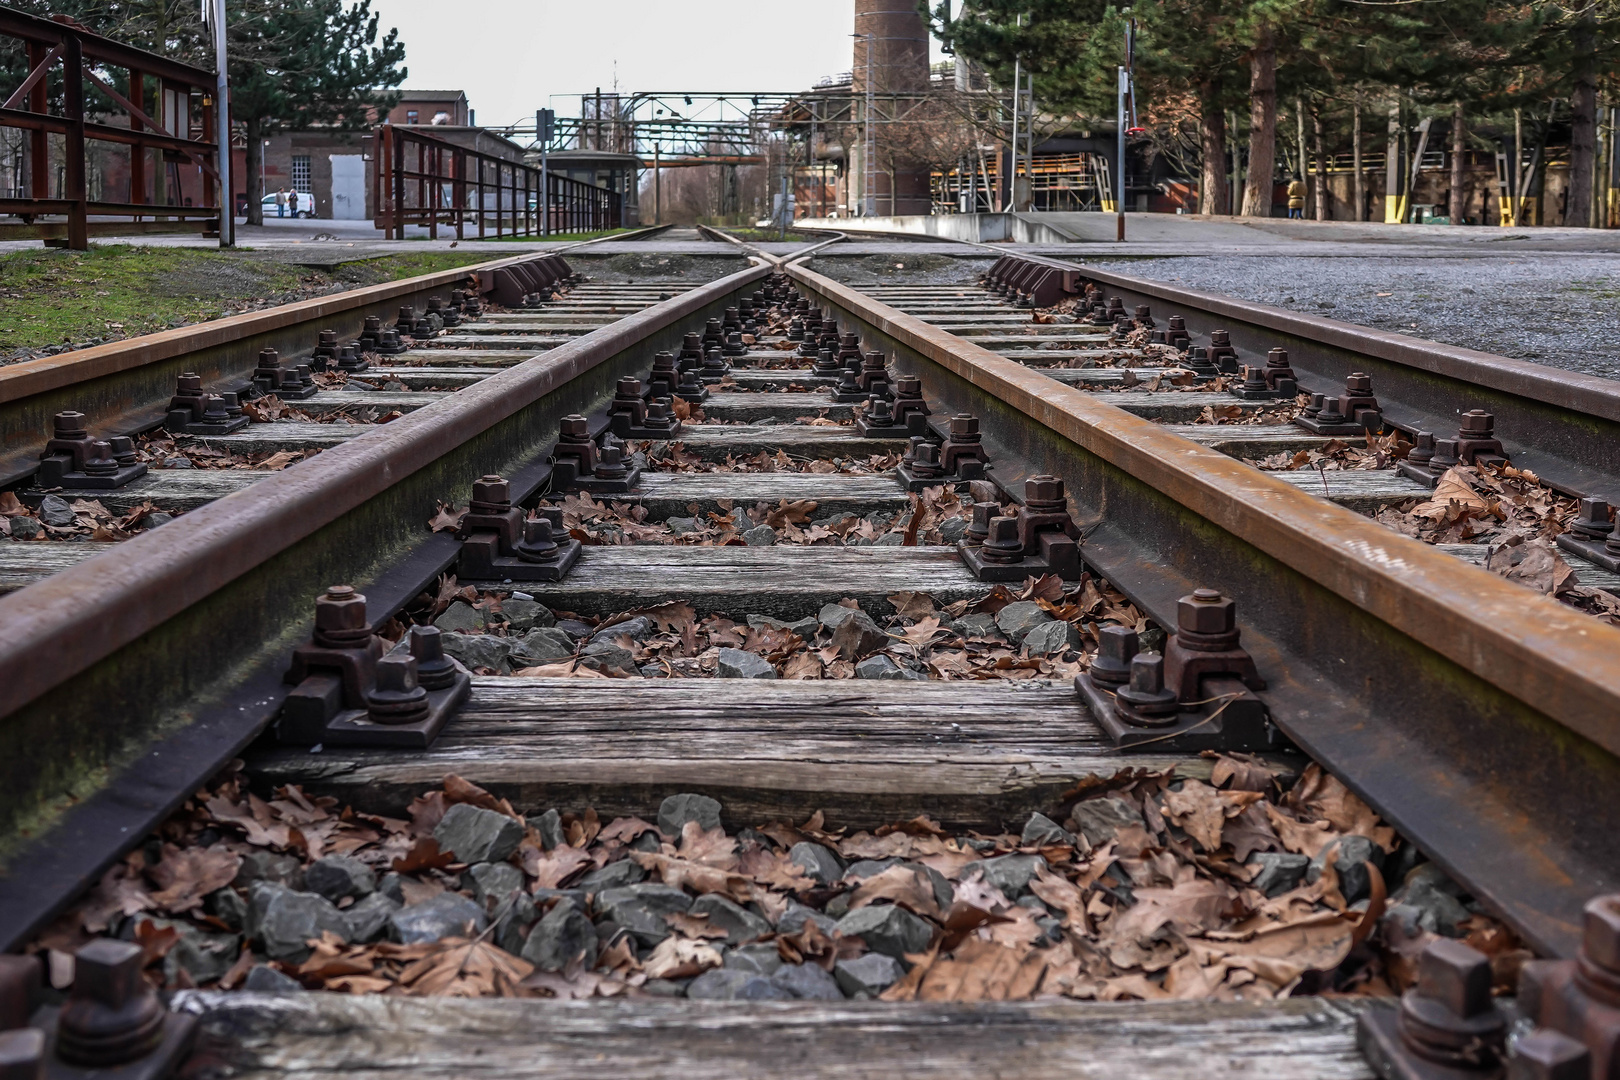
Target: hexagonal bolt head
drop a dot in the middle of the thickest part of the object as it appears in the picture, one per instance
(928, 454)
(435, 304)
(1600, 935)
(1206, 611)
(1253, 378)
(1358, 383)
(1477, 424)
(327, 338)
(537, 531)
(1178, 323)
(214, 409)
(69, 425)
(123, 446)
(663, 361)
(576, 427)
(1277, 358)
(108, 972)
(190, 382)
(407, 314)
(1142, 311)
(850, 341)
(269, 358)
(492, 489)
(1545, 1054)
(691, 342)
(629, 388)
(373, 323)
(1456, 976)
(1043, 489)
(964, 425)
(908, 386)
(1593, 511)
(340, 608)
(610, 455)
(874, 361)
(657, 410)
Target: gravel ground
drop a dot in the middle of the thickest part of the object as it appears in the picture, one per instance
(1554, 309)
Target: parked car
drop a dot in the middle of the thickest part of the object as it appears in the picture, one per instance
(299, 204)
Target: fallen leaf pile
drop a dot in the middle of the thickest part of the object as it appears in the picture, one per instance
(998, 636)
(162, 451)
(1154, 886)
(674, 457)
(611, 522)
(90, 520)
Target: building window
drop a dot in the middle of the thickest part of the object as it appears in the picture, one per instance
(300, 173)
(410, 116)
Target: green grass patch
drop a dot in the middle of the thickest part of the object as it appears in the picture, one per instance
(52, 297)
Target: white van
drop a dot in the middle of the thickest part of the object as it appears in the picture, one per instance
(299, 204)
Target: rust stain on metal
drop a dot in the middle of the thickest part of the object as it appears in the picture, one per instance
(1555, 659)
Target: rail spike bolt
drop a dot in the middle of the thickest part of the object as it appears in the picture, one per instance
(1116, 647)
(397, 697)
(1548, 1055)
(1147, 702)
(1447, 1020)
(22, 1054)
(492, 494)
(434, 670)
(112, 1015)
(1002, 545)
(537, 546)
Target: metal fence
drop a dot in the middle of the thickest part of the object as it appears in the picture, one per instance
(425, 180)
(56, 144)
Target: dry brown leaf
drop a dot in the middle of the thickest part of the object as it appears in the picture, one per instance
(551, 868)
(186, 875)
(712, 848)
(695, 876)
(680, 958)
(983, 971)
(1321, 794)
(903, 885)
(466, 969)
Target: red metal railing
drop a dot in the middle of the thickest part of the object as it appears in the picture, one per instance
(422, 179)
(87, 57)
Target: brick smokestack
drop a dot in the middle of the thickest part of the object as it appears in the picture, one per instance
(899, 45)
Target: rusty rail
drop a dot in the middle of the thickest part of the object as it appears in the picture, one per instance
(1478, 716)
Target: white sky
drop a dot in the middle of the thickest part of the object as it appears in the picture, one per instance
(514, 56)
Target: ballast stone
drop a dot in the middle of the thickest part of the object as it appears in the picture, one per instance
(474, 835)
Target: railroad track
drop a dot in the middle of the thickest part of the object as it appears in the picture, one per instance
(1471, 713)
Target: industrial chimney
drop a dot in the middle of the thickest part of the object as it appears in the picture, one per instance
(898, 42)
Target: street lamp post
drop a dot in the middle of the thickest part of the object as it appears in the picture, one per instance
(222, 127)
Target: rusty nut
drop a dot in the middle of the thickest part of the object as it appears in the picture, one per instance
(1358, 383)
(269, 358)
(340, 608)
(1277, 358)
(908, 386)
(1600, 936)
(629, 387)
(190, 381)
(1206, 611)
(576, 427)
(491, 489)
(964, 425)
(1478, 423)
(1456, 976)
(1043, 489)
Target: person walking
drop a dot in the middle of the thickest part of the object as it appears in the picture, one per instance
(1296, 197)
(281, 202)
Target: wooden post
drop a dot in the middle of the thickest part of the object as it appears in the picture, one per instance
(480, 162)
(399, 186)
(499, 218)
(39, 153)
(73, 144)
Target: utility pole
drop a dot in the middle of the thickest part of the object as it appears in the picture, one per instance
(222, 127)
(544, 122)
(1012, 175)
(1126, 90)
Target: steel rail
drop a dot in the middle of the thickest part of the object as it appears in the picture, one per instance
(125, 666)
(1560, 424)
(124, 386)
(1484, 658)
